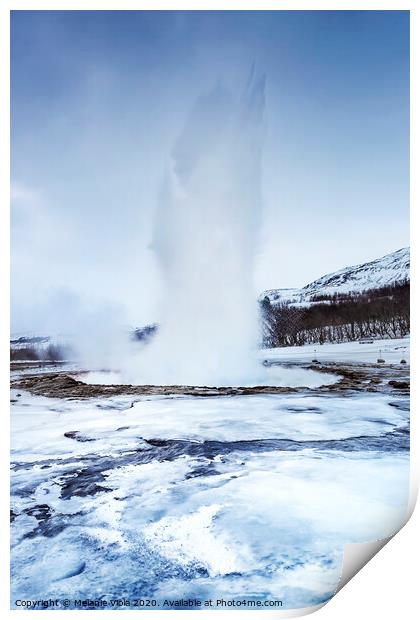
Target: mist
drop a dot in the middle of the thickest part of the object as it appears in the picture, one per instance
(206, 234)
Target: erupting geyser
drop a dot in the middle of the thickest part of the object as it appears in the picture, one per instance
(207, 228)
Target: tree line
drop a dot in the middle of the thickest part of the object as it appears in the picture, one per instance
(376, 313)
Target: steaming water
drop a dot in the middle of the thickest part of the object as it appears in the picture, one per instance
(274, 376)
(207, 228)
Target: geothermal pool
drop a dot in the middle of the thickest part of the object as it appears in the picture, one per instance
(280, 376)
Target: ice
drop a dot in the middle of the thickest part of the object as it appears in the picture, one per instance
(269, 525)
(39, 428)
(190, 539)
(251, 496)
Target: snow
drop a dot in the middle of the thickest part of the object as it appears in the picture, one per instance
(201, 519)
(392, 351)
(39, 424)
(390, 269)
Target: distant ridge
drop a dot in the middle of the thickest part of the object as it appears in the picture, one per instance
(370, 300)
(393, 268)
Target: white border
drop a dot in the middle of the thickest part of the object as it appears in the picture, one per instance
(387, 586)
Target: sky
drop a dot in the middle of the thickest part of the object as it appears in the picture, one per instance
(98, 99)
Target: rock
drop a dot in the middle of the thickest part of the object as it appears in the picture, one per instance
(403, 385)
(77, 436)
(83, 482)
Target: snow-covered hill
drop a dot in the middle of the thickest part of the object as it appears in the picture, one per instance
(390, 269)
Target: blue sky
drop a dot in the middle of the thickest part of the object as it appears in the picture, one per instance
(98, 98)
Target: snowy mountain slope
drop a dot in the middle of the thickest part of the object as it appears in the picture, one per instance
(390, 269)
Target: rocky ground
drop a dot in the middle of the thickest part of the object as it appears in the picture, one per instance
(357, 377)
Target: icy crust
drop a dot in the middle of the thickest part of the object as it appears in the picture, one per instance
(109, 424)
(270, 525)
(185, 498)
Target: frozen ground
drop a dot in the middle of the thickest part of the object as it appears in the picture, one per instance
(190, 497)
(392, 351)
